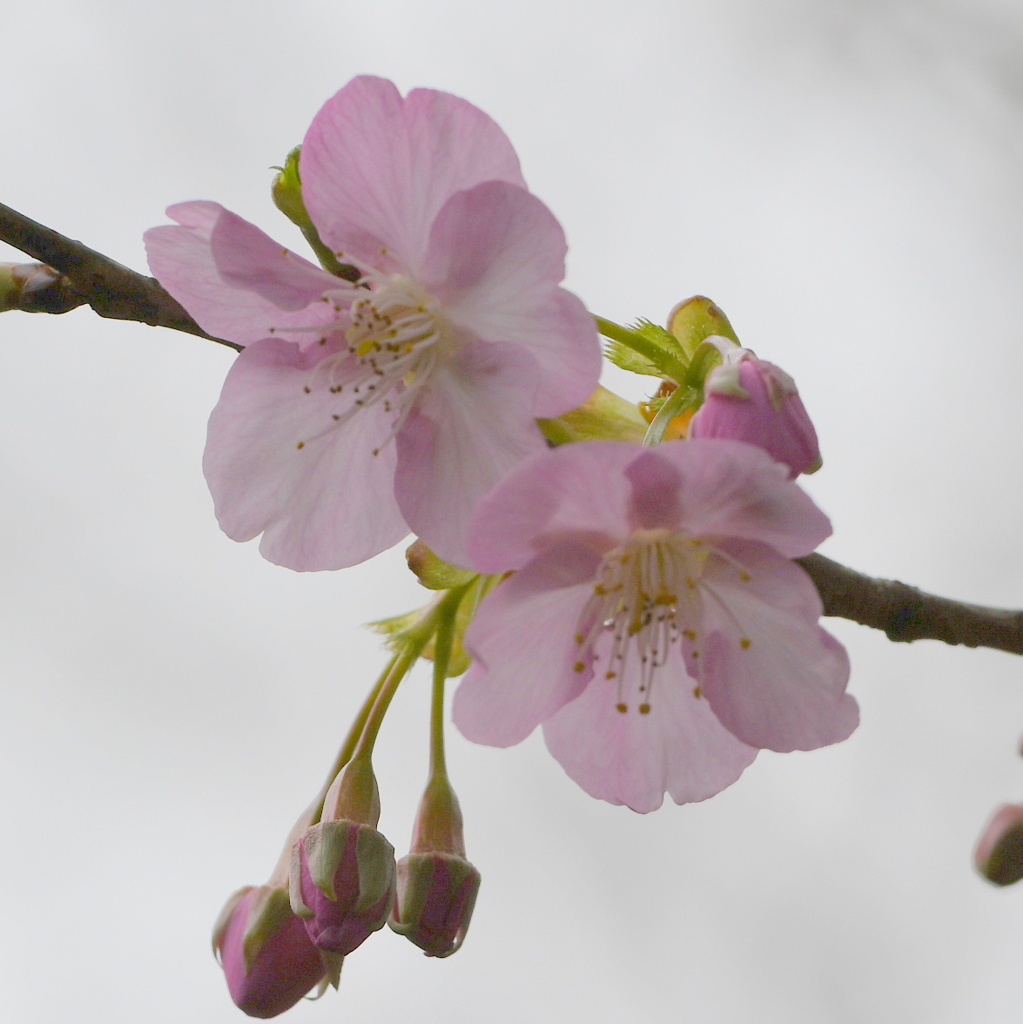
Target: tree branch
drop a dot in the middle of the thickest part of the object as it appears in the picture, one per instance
(905, 613)
(86, 276)
(81, 275)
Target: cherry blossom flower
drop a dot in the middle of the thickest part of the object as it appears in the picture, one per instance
(361, 410)
(750, 399)
(654, 624)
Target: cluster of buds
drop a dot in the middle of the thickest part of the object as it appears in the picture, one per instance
(337, 881)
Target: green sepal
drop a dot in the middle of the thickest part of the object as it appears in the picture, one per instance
(396, 628)
(433, 572)
(325, 845)
(647, 349)
(332, 964)
(604, 416)
(695, 320)
(286, 191)
(628, 359)
(269, 913)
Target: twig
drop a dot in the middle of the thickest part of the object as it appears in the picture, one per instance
(905, 613)
(87, 276)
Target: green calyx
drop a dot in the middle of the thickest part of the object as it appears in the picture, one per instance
(286, 191)
(678, 353)
(448, 617)
(644, 348)
(604, 416)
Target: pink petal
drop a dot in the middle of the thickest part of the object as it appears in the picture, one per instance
(376, 168)
(734, 489)
(523, 640)
(578, 490)
(784, 687)
(326, 505)
(495, 259)
(629, 758)
(181, 259)
(248, 258)
(469, 427)
(655, 484)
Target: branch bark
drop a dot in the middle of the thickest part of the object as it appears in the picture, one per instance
(905, 613)
(86, 276)
(81, 275)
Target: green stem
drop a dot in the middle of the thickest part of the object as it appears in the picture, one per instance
(674, 405)
(414, 640)
(441, 657)
(664, 361)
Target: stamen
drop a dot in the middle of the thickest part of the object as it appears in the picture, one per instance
(393, 340)
(636, 599)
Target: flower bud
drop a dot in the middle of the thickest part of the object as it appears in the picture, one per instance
(436, 896)
(342, 883)
(286, 191)
(437, 886)
(267, 957)
(999, 853)
(749, 399)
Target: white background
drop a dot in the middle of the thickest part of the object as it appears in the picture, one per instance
(844, 178)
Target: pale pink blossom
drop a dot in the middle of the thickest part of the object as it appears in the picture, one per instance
(750, 399)
(655, 623)
(358, 412)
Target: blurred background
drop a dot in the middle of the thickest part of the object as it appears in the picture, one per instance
(844, 179)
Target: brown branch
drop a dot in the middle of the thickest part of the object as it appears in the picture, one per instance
(905, 613)
(81, 275)
(87, 276)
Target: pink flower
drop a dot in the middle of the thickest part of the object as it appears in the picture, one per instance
(655, 624)
(749, 399)
(268, 960)
(361, 411)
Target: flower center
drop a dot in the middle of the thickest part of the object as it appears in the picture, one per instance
(648, 598)
(396, 331)
(394, 338)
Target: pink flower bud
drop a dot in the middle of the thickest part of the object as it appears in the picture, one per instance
(436, 896)
(999, 853)
(749, 399)
(266, 954)
(342, 883)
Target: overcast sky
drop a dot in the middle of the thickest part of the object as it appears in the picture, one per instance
(843, 178)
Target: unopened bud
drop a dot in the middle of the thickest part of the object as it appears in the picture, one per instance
(749, 399)
(437, 886)
(436, 896)
(268, 959)
(286, 191)
(999, 853)
(342, 883)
